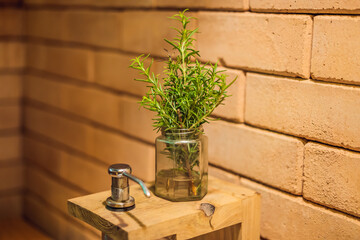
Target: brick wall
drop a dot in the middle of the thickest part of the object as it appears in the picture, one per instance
(290, 130)
(12, 61)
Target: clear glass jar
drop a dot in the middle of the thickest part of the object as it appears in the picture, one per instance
(181, 165)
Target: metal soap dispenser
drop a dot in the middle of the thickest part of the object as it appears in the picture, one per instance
(120, 199)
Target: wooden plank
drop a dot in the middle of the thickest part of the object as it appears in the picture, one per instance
(18, 229)
(155, 218)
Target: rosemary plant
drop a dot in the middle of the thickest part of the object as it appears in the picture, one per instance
(190, 91)
(183, 99)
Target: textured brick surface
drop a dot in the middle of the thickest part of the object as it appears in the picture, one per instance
(336, 49)
(11, 87)
(261, 42)
(325, 112)
(102, 3)
(120, 112)
(204, 4)
(144, 31)
(46, 24)
(10, 206)
(10, 117)
(12, 55)
(10, 147)
(305, 6)
(82, 26)
(267, 157)
(11, 177)
(107, 146)
(100, 28)
(287, 217)
(66, 165)
(11, 22)
(233, 107)
(332, 177)
(54, 223)
(57, 193)
(70, 62)
(112, 70)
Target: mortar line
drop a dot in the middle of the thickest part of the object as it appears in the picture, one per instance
(54, 176)
(152, 7)
(68, 218)
(101, 126)
(77, 45)
(252, 179)
(11, 162)
(11, 192)
(288, 193)
(88, 122)
(48, 76)
(61, 147)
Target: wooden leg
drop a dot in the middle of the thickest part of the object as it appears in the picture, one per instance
(229, 233)
(250, 226)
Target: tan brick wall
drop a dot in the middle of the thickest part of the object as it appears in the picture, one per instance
(12, 62)
(290, 130)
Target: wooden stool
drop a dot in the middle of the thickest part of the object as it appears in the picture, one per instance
(232, 208)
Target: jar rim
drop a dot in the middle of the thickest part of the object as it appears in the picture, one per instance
(181, 131)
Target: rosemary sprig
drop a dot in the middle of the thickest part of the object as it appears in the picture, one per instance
(190, 91)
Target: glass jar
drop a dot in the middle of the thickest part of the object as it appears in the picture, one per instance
(181, 165)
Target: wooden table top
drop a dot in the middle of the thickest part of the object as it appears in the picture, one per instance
(154, 217)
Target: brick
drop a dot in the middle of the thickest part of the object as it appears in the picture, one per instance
(104, 145)
(49, 24)
(144, 31)
(10, 206)
(56, 192)
(224, 175)
(327, 113)
(112, 70)
(70, 62)
(10, 148)
(268, 157)
(66, 165)
(304, 6)
(11, 177)
(136, 120)
(10, 117)
(114, 149)
(51, 222)
(287, 217)
(103, 3)
(233, 107)
(11, 22)
(120, 112)
(336, 49)
(100, 28)
(205, 4)
(270, 43)
(12, 55)
(331, 177)
(11, 87)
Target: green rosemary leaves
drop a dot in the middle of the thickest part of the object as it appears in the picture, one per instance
(190, 90)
